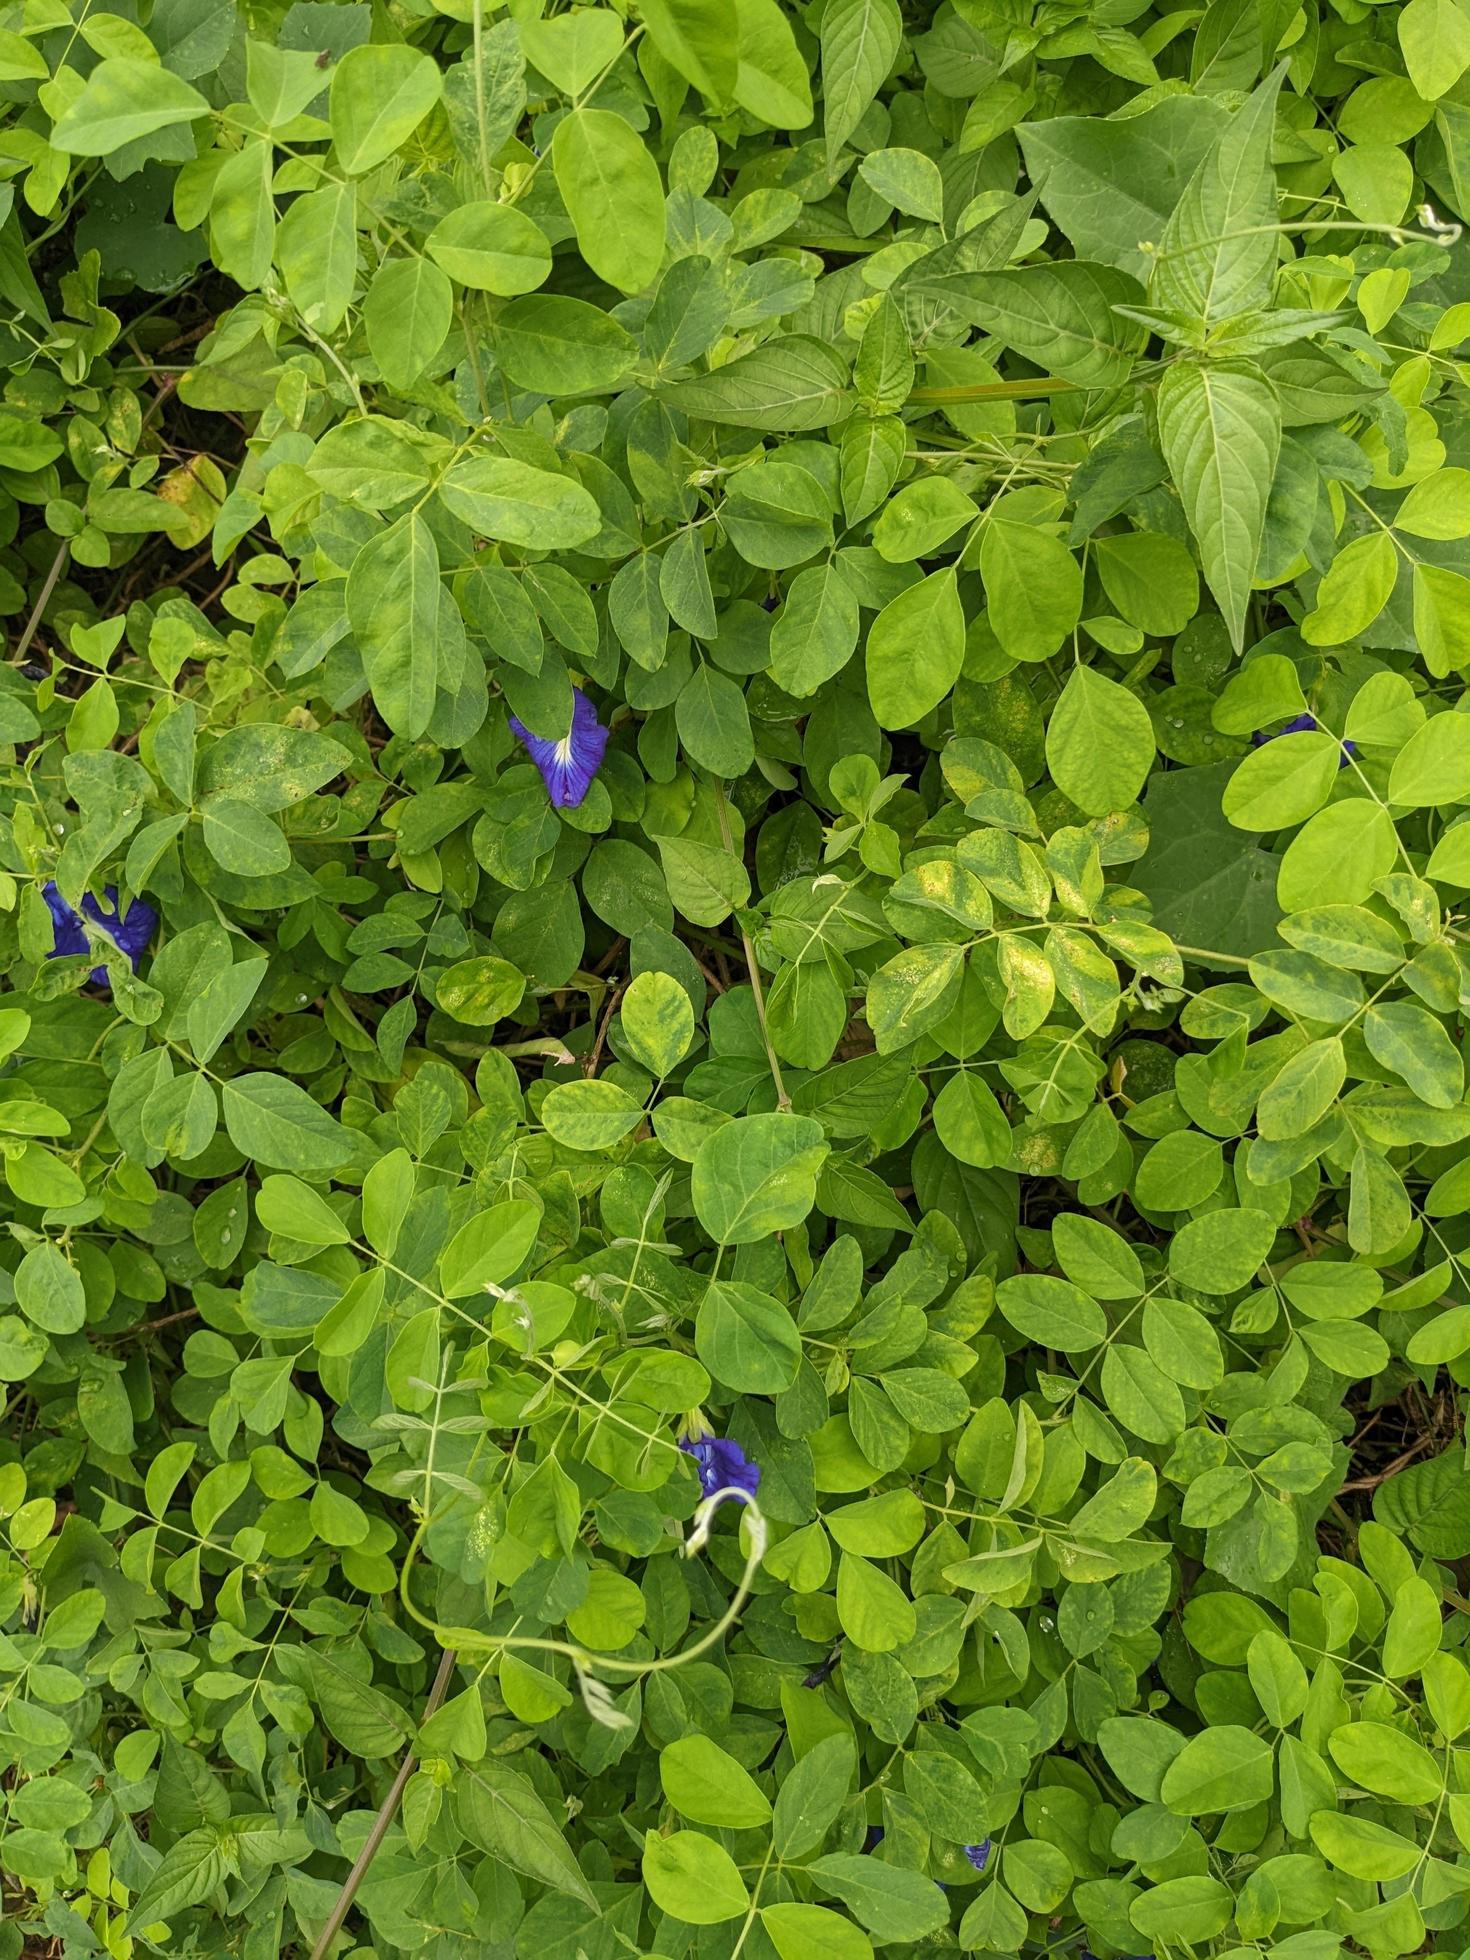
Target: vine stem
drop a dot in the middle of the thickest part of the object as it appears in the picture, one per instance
(468, 1640)
(387, 1811)
(783, 1101)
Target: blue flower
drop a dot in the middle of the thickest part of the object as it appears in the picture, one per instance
(131, 930)
(979, 1854)
(568, 766)
(722, 1465)
(1302, 725)
(873, 1837)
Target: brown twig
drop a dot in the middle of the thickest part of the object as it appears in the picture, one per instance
(1382, 1476)
(151, 1326)
(63, 552)
(387, 1811)
(589, 1067)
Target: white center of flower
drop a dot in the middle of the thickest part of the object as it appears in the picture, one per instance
(564, 750)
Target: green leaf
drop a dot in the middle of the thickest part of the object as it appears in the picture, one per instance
(555, 345)
(771, 80)
(1355, 591)
(915, 647)
(1189, 1909)
(393, 599)
(408, 311)
(1441, 611)
(381, 92)
(287, 1206)
(790, 383)
(1151, 580)
(1060, 316)
(242, 839)
(1111, 183)
(815, 633)
(700, 43)
(802, 1932)
(1033, 587)
(1224, 1768)
(860, 39)
(274, 1121)
(812, 1795)
(610, 185)
(1220, 428)
(1387, 1762)
(49, 1290)
(122, 101)
(1363, 1848)
(188, 1872)
(693, 1879)
(970, 1122)
(364, 1721)
(1433, 766)
(747, 1340)
(490, 1248)
(518, 504)
(501, 1812)
(1283, 782)
(491, 248)
(708, 1786)
(906, 179)
(1221, 1251)
(893, 1903)
(1052, 1312)
(316, 249)
(1100, 743)
(1434, 37)
(757, 1175)
(1217, 254)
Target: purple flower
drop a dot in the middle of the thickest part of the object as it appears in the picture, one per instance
(568, 766)
(873, 1838)
(131, 930)
(722, 1465)
(1302, 725)
(978, 1854)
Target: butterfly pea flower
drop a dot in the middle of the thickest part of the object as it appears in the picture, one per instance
(722, 1465)
(130, 930)
(1302, 725)
(567, 766)
(979, 1854)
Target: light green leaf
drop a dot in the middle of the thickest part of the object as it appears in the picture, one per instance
(757, 1175)
(1220, 427)
(611, 188)
(915, 648)
(1099, 743)
(381, 92)
(123, 100)
(521, 505)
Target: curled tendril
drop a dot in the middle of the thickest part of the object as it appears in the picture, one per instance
(704, 1518)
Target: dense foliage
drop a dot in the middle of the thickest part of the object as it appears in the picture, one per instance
(983, 1045)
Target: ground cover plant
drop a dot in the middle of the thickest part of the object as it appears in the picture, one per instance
(734, 834)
